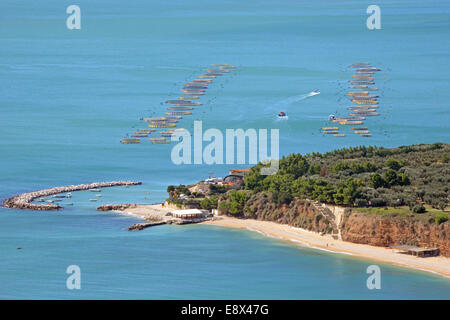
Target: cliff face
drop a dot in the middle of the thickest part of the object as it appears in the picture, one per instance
(299, 213)
(385, 231)
(350, 225)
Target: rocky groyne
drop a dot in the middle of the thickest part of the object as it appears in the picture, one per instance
(151, 223)
(144, 225)
(23, 201)
(119, 207)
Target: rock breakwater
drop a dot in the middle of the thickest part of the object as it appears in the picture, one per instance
(120, 207)
(23, 201)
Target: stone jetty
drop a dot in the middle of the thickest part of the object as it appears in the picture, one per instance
(143, 225)
(119, 207)
(177, 221)
(23, 200)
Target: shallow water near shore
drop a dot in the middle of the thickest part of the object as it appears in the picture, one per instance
(68, 97)
(175, 262)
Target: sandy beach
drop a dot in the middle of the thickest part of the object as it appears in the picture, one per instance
(147, 211)
(438, 265)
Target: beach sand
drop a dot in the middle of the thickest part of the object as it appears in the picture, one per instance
(147, 211)
(439, 265)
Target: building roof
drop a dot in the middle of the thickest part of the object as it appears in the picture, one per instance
(412, 248)
(239, 170)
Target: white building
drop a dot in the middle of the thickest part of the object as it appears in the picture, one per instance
(187, 214)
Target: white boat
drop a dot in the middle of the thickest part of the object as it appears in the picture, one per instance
(93, 200)
(331, 117)
(282, 115)
(315, 92)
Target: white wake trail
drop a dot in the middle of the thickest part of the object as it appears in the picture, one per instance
(295, 99)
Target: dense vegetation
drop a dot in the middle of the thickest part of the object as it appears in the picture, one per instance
(363, 177)
(409, 176)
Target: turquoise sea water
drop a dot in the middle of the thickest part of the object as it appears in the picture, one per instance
(67, 97)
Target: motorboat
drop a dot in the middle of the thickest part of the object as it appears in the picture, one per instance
(282, 115)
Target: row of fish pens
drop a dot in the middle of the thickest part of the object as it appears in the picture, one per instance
(363, 96)
(182, 106)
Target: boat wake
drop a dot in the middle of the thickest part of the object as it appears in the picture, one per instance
(297, 98)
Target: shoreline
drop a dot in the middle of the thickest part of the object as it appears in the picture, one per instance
(437, 265)
(155, 215)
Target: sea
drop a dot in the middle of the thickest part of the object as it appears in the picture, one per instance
(68, 97)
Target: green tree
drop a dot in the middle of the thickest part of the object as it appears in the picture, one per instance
(294, 164)
(209, 203)
(403, 179)
(348, 191)
(235, 203)
(418, 208)
(224, 207)
(314, 169)
(393, 164)
(253, 180)
(376, 181)
(441, 218)
(391, 178)
(340, 166)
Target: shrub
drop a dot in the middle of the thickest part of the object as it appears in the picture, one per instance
(216, 188)
(377, 202)
(361, 203)
(348, 191)
(403, 180)
(441, 218)
(224, 207)
(442, 204)
(294, 164)
(393, 164)
(209, 203)
(391, 178)
(314, 169)
(418, 208)
(376, 181)
(340, 166)
(282, 198)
